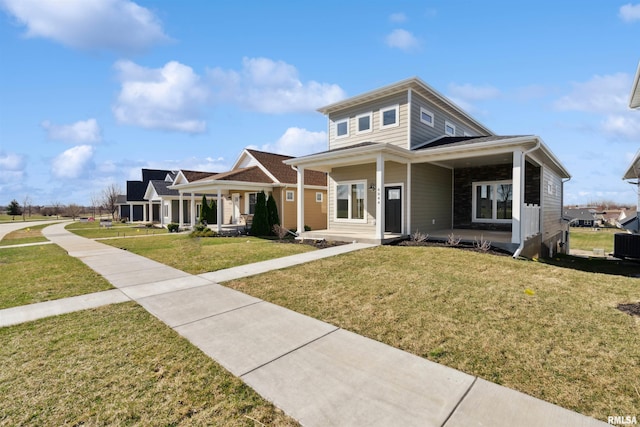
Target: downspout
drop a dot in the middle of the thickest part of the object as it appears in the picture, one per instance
(516, 254)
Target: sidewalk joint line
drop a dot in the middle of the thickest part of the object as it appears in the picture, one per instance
(455, 408)
(289, 352)
(217, 314)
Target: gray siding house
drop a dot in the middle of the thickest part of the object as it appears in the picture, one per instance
(404, 158)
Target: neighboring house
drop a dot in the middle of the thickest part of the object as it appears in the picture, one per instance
(164, 202)
(632, 223)
(236, 190)
(404, 158)
(134, 207)
(581, 217)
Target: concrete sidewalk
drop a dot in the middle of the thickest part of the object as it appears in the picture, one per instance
(317, 373)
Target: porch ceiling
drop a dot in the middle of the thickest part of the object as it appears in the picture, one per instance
(475, 161)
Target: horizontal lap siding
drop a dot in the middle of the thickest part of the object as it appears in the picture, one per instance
(353, 173)
(551, 208)
(394, 135)
(431, 197)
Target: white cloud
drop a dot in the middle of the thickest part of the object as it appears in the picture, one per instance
(403, 40)
(11, 162)
(606, 96)
(86, 131)
(298, 142)
(273, 87)
(118, 25)
(73, 162)
(397, 17)
(630, 12)
(168, 98)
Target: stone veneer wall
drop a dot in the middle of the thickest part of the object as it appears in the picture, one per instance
(463, 191)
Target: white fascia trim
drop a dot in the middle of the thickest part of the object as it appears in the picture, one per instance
(347, 153)
(240, 157)
(634, 101)
(246, 152)
(633, 172)
(150, 192)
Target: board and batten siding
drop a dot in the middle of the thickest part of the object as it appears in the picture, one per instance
(396, 135)
(421, 132)
(431, 197)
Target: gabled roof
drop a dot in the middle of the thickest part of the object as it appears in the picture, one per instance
(415, 84)
(581, 214)
(161, 188)
(250, 174)
(154, 174)
(196, 175)
(634, 100)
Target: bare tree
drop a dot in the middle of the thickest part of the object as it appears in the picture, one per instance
(73, 210)
(110, 198)
(57, 209)
(26, 206)
(96, 204)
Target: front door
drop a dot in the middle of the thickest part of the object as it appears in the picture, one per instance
(393, 209)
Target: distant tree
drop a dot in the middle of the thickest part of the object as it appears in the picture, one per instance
(204, 210)
(110, 198)
(14, 209)
(56, 209)
(96, 204)
(73, 211)
(260, 225)
(272, 213)
(26, 206)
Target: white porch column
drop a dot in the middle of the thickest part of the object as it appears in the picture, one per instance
(130, 212)
(144, 213)
(219, 212)
(181, 211)
(193, 209)
(407, 197)
(379, 197)
(517, 197)
(150, 211)
(300, 200)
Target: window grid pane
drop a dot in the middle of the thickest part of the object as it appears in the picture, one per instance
(484, 202)
(357, 201)
(342, 201)
(364, 123)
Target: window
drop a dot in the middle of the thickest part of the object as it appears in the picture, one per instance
(426, 117)
(290, 196)
(165, 210)
(350, 200)
(342, 128)
(492, 201)
(389, 117)
(449, 128)
(364, 122)
(319, 197)
(252, 202)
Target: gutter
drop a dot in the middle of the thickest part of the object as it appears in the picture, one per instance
(518, 251)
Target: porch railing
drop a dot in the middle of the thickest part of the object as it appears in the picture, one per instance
(531, 220)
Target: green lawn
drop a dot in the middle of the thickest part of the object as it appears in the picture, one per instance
(118, 365)
(587, 239)
(551, 332)
(202, 255)
(41, 273)
(25, 235)
(92, 230)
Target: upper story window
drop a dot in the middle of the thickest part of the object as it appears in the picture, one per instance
(449, 128)
(342, 128)
(427, 117)
(389, 116)
(364, 122)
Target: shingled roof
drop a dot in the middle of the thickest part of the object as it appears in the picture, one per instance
(161, 188)
(250, 174)
(285, 173)
(196, 175)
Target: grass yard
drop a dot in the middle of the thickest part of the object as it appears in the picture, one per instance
(25, 235)
(205, 254)
(92, 230)
(9, 218)
(41, 273)
(587, 239)
(551, 332)
(118, 365)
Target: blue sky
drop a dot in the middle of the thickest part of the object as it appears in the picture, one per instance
(91, 91)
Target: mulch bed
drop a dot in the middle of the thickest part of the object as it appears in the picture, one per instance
(631, 309)
(460, 246)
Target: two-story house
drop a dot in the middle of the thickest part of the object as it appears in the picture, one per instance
(403, 158)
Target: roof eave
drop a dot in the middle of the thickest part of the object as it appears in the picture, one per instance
(634, 100)
(633, 172)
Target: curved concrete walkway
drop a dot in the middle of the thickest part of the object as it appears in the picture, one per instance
(316, 372)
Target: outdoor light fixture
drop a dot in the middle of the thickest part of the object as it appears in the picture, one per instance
(372, 187)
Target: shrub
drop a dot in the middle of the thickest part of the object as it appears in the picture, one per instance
(173, 227)
(307, 228)
(419, 237)
(280, 231)
(260, 224)
(482, 244)
(453, 240)
(272, 213)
